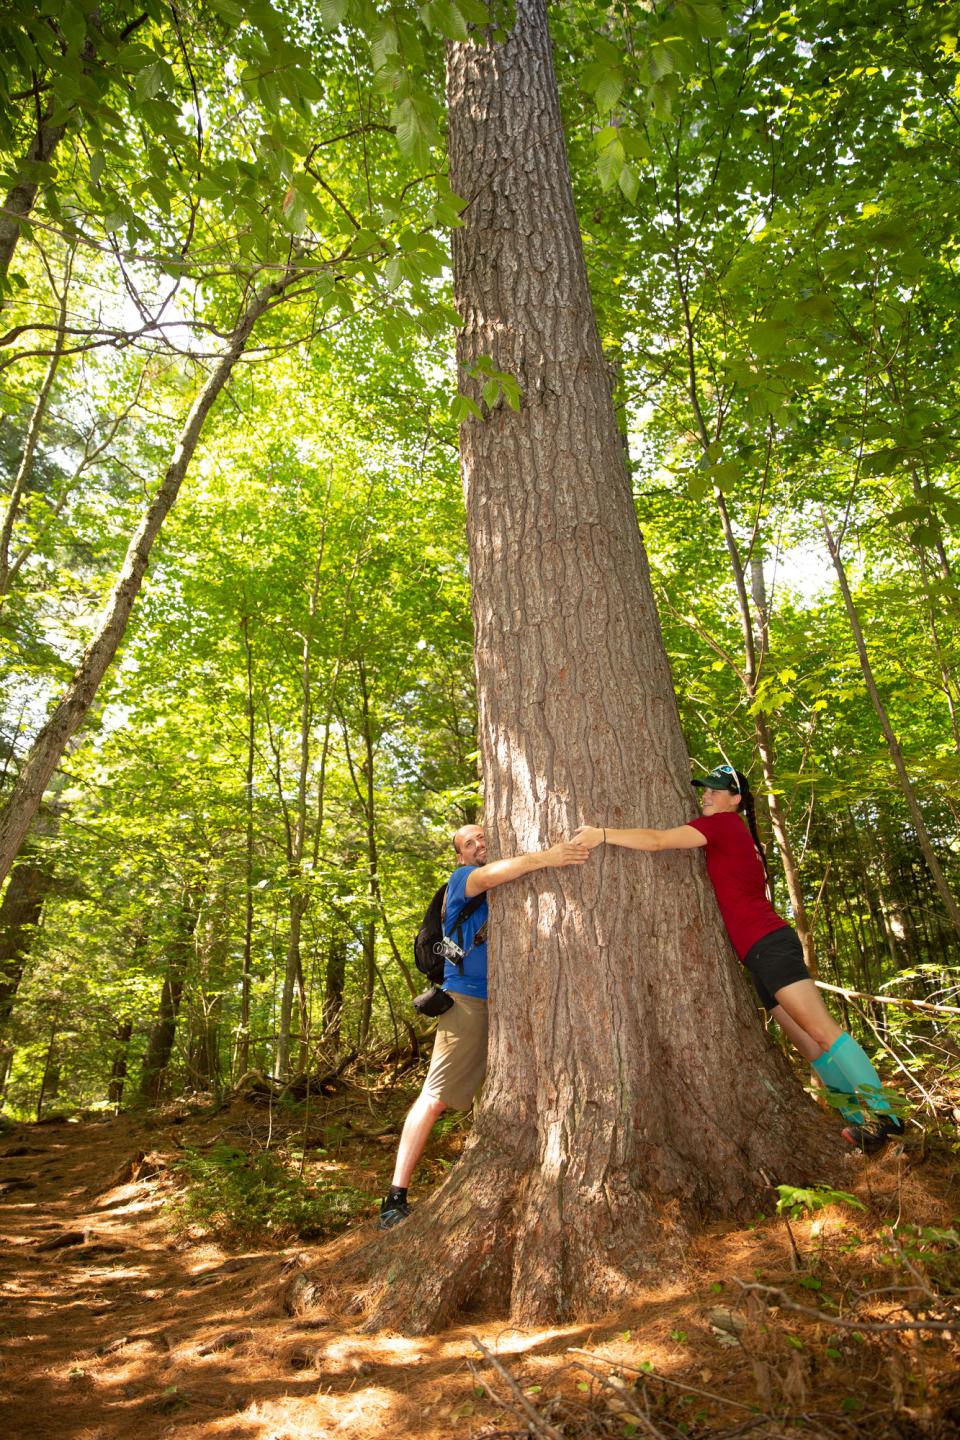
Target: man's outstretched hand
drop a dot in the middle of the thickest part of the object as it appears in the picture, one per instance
(567, 852)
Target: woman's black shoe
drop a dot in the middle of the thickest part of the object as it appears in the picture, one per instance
(873, 1134)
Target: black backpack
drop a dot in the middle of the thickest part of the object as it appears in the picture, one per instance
(435, 1002)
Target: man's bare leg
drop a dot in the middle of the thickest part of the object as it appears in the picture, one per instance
(421, 1118)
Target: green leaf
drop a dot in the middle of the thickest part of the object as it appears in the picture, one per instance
(661, 62)
(148, 82)
(634, 142)
(629, 182)
(511, 392)
(609, 164)
(97, 163)
(73, 23)
(228, 11)
(708, 16)
(475, 11)
(333, 13)
(463, 406)
(406, 122)
(384, 43)
(449, 20)
(609, 90)
(295, 211)
(491, 392)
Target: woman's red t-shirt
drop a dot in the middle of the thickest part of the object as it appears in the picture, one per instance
(736, 874)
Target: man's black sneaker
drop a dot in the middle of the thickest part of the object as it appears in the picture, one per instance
(873, 1134)
(393, 1212)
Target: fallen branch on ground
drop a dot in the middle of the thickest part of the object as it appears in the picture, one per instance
(951, 1327)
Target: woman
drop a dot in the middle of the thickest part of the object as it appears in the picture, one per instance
(768, 947)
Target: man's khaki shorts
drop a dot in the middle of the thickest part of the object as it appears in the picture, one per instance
(459, 1060)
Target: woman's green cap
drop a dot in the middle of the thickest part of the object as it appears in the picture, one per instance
(724, 777)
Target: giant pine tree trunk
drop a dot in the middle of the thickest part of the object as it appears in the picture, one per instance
(630, 1089)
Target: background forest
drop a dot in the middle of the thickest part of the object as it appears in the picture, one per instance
(226, 346)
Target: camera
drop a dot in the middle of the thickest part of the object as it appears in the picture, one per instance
(449, 950)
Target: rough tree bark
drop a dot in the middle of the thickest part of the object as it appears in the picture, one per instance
(70, 712)
(631, 1091)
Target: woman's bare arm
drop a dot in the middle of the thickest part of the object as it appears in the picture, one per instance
(681, 837)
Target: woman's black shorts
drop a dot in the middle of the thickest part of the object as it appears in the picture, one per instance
(774, 961)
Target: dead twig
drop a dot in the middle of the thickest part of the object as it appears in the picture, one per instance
(664, 1379)
(540, 1425)
(951, 1327)
(625, 1399)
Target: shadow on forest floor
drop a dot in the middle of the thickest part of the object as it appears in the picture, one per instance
(119, 1321)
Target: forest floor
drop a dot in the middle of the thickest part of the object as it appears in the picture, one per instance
(121, 1317)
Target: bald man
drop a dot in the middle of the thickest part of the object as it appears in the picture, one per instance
(459, 1060)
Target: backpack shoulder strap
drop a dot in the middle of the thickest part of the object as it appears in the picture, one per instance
(472, 905)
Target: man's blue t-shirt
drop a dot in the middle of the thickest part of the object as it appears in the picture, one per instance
(473, 981)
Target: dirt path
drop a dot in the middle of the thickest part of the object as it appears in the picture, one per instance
(114, 1328)
(111, 1328)
(100, 1309)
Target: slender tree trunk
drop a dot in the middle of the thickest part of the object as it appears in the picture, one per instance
(118, 1070)
(297, 834)
(368, 797)
(753, 654)
(25, 468)
(631, 1091)
(334, 982)
(946, 674)
(893, 745)
(242, 1048)
(21, 197)
(164, 1031)
(20, 911)
(204, 1050)
(69, 714)
(50, 1082)
(765, 745)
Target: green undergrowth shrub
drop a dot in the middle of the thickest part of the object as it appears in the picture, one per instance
(238, 1196)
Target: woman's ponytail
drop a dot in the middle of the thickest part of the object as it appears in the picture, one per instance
(750, 815)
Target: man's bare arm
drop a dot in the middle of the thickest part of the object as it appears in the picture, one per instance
(499, 872)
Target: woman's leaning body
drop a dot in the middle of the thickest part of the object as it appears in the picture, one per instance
(768, 947)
